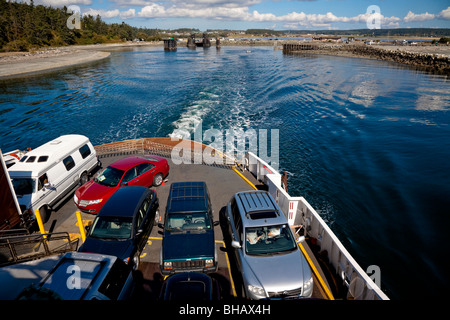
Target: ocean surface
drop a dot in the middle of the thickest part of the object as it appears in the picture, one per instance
(366, 142)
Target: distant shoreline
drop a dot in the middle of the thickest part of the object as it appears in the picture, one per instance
(20, 64)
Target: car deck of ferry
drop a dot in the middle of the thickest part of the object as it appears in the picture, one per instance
(223, 182)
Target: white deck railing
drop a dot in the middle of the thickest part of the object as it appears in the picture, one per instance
(299, 212)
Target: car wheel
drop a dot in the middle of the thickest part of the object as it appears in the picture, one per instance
(84, 178)
(158, 179)
(45, 214)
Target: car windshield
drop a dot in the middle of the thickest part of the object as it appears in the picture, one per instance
(115, 228)
(23, 186)
(197, 221)
(109, 177)
(269, 240)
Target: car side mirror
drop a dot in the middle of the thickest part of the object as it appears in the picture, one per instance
(47, 186)
(235, 244)
(300, 239)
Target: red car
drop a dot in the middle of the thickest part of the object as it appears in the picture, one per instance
(147, 170)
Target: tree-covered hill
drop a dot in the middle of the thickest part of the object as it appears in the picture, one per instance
(25, 26)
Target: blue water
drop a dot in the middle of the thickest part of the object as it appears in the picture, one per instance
(366, 142)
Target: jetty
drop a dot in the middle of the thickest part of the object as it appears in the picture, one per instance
(431, 58)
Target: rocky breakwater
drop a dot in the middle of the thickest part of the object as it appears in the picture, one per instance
(424, 57)
(431, 58)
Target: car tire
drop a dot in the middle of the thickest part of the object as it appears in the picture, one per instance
(45, 214)
(158, 179)
(83, 179)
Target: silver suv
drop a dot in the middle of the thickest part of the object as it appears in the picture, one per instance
(266, 252)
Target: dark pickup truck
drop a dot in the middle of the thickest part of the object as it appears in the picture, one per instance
(188, 242)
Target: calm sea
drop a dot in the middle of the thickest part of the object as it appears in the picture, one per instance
(366, 142)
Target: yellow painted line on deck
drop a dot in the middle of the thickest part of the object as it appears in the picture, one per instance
(245, 179)
(229, 268)
(314, 269)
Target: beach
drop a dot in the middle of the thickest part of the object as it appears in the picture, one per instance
(18, 64)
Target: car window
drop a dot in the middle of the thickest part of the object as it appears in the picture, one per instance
(234, 209)
(239, 229)
(115, 228)
(85, 151)
(42, 181)
(23, 186)
(140, 217)
(109, 177)
(69, 163)
(144, 167)
(269, 240)
(130, 175)
(198, 221)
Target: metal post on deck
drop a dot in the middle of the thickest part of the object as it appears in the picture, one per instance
(39, 221)
(81, 226)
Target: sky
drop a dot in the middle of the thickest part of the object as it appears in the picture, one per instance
(267, 14)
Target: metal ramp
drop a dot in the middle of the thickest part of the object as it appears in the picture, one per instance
(20, 246)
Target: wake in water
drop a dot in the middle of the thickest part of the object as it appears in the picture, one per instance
(194, 114)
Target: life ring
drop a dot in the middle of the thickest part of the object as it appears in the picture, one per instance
(15, 156)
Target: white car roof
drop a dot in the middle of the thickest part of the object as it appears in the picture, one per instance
(55, 150)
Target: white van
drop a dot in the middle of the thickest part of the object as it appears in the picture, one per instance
(45, 176)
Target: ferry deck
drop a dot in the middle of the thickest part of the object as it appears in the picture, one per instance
(223, 182)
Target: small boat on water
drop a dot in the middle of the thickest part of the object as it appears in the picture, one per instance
(336, 275)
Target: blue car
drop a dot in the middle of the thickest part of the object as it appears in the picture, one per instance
(188, 242)
(124, 224)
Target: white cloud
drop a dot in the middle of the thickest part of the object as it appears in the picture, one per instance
(130, 13)
(412, 17)
(152, 11)
(240, 10)
(233, 12)
(445, 14)
(102, 13)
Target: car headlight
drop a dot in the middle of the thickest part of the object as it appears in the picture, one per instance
(209, 262)
(75, 198)
(91, 202)
(167, 264)
(308, 287)
(256, 290)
